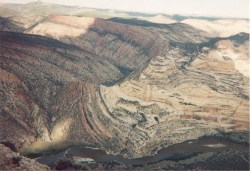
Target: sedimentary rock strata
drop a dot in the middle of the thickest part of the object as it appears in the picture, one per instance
(127, 88)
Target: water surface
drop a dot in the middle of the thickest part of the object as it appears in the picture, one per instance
(202, 145)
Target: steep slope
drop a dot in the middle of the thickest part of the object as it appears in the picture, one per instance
(34, 70)
(8, 25)
(106, 39)
(125, 42)
(53, 87)
(174, 99)
(139, 87)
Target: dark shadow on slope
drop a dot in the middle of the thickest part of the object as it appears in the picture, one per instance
(192, 50)
(138, 22)
(8, 25)
(112, 47)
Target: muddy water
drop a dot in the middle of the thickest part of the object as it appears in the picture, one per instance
(202, 145)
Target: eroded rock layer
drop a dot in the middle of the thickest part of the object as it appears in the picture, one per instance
(174, 99)
(129, 89)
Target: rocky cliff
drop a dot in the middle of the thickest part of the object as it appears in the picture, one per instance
(127, 87)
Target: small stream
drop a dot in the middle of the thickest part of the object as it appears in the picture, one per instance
(175, 152)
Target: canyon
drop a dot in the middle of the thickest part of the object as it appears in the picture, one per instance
(127, 86)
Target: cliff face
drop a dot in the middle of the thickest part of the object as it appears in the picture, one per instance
(125, 45)
(174, 99)
(34, 71)
(127, 88)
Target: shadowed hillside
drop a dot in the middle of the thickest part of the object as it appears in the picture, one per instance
(158, 77)
(127, 85)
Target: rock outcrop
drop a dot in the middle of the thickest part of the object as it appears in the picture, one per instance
(10, 160)
(34, 71)
(177, 98)
(128, 88)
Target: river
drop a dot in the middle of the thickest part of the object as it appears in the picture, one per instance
(173, 152)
